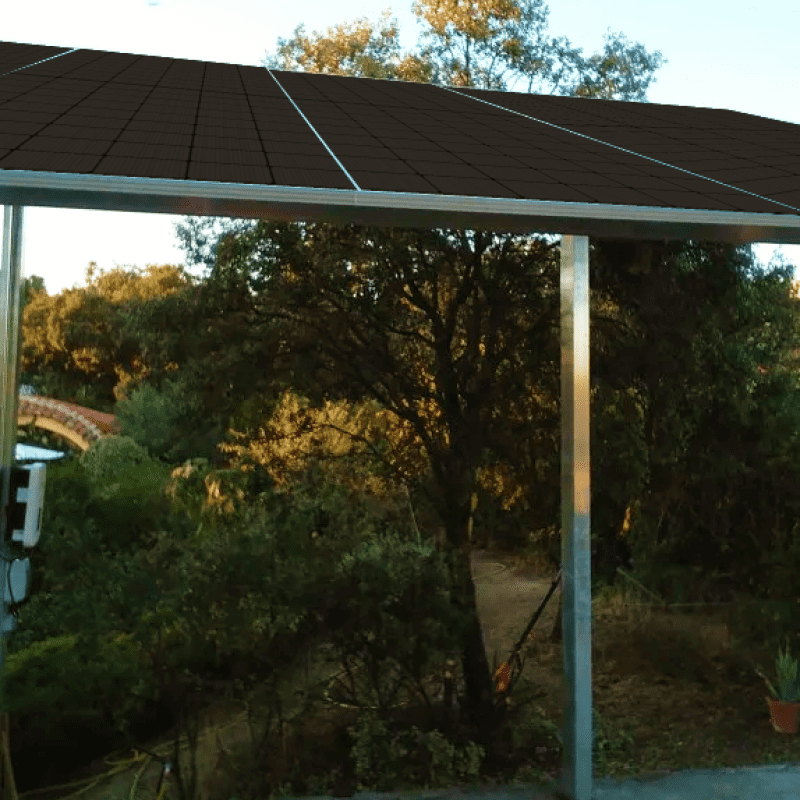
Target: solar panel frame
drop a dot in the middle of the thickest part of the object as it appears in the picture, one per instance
(147, 133)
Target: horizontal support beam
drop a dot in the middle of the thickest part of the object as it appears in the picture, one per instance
(391, 209)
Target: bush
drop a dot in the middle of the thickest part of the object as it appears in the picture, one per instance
(87, 569)
(247, 586)
(765, 623)
(608, 744)
(107, 457)
(149, 416)
(66, 680)
(391, 608)
(170, 420)
(116, 485)
(386, 761)
(133, 605)
(159, 419)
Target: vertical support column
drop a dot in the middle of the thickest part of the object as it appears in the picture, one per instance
(10, 283)
(575, 517)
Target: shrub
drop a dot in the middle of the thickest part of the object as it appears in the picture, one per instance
(108, 457)
(391, 608)
(170, 422)
(148, 417)
(245, 586)
(385, 761)
(87, 569)
(70, 677)
(109, 499)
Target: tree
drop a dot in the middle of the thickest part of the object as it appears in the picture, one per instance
(187, 339)
(30, 288)
(70, 342)
(706, 444)
(413, 319)
(617, 73)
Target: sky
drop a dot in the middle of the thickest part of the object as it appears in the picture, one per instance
(729, 54)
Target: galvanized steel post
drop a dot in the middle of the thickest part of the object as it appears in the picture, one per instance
(10, 280)
(10, 284)
(575, 517)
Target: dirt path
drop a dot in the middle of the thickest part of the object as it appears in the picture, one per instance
(507, 596)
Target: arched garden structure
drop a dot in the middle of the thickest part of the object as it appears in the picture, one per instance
(116, 131)
(80, 426)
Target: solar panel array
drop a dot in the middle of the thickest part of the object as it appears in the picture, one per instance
(88, 112)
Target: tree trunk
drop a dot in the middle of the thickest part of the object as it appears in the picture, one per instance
(459, 496)
(477, 705)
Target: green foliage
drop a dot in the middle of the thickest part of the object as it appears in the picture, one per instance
(108, 457)
(237, 588)
(788, 681)
(31, 286)
(709, 449)
(205, 352)
(765, 622)
(608, 744)
(148, 417)
(135, 493)
(393, 607)
(86, 569)
(74, 342)
(775, 617)
(73, 676)
(164, 421)
(509, 35)
(620, 466)
(135, 619)
(186, 489)
(531, 730)
(386, 761)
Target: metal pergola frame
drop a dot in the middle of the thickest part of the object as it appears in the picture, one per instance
(574, 221)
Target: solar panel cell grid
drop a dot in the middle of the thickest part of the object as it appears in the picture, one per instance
(87, 112)
(142, 168)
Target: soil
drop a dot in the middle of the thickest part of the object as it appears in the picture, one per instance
(507, 594)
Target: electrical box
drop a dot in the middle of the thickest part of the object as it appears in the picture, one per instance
(17, 580)
(26, 503)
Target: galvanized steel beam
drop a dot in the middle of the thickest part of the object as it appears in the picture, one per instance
(10, 284)
(575, 517)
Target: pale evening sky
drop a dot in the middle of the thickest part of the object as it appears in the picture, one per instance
(728, 54)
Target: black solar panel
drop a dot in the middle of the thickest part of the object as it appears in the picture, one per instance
(87, 112)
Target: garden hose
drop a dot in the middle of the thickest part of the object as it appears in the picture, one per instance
(123, 765)
(141, 755)
(503, 674)
(166, 768)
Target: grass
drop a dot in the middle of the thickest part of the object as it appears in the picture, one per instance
(671, 691)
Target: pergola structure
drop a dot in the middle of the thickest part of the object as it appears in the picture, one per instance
(115, 131)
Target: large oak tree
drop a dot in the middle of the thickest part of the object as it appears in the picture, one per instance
(426, 322)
